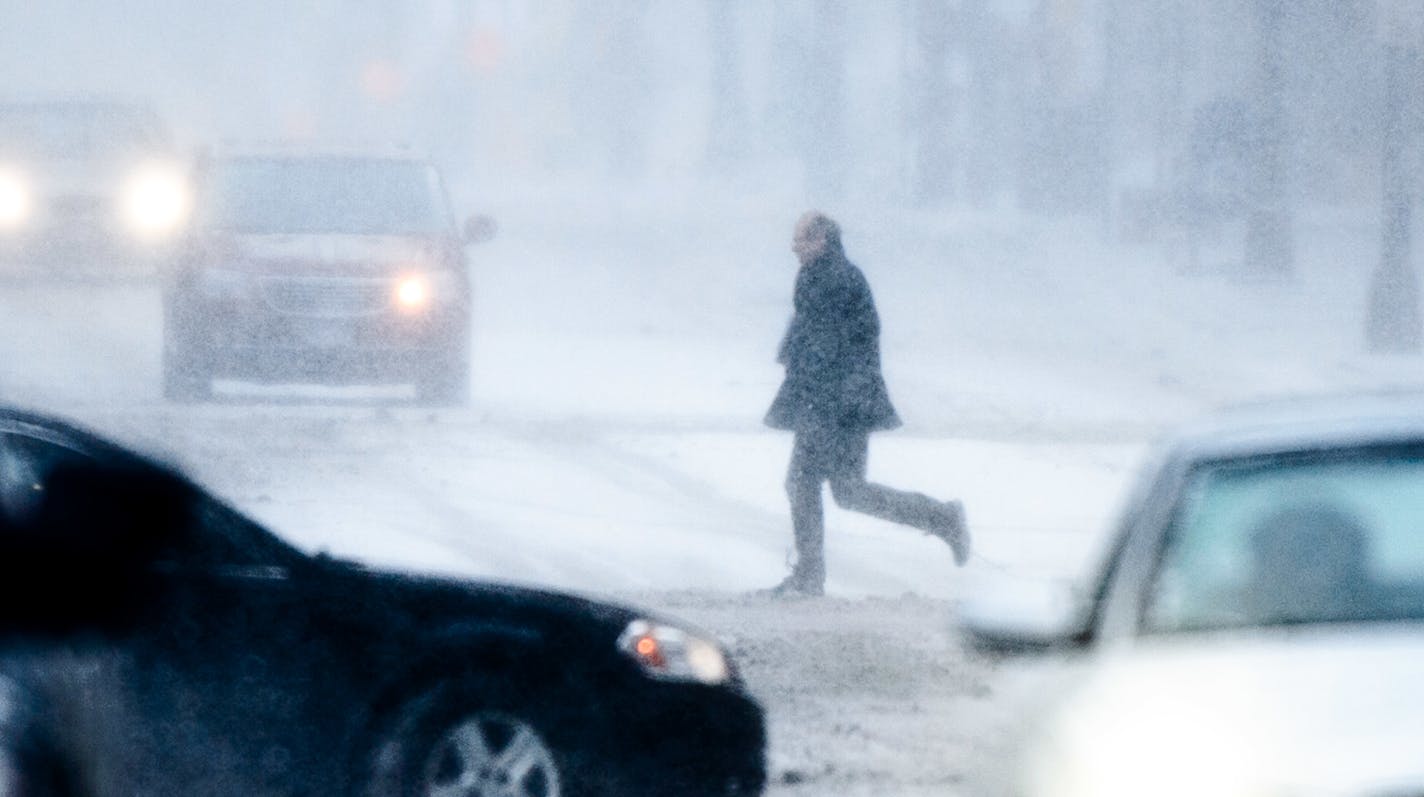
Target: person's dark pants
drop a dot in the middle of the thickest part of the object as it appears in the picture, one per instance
(838, 456)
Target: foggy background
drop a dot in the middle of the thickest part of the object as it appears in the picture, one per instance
(1084, 222)
(1053, 106)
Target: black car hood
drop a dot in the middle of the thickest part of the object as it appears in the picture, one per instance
(465, 605)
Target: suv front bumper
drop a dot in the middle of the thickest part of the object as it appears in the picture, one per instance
(329, 329)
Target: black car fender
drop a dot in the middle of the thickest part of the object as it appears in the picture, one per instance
(513, 660)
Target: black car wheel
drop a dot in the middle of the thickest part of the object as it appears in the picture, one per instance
(467, 742)
(489, 753)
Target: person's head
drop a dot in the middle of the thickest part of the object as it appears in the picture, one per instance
(816, 235)
(1309, 559)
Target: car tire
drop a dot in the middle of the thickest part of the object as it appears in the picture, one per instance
(471, 740)
(446, 381)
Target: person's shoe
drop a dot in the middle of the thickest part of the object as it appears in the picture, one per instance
(794, 586)
(954, 531)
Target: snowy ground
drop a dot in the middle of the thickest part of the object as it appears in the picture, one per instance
(623, 361)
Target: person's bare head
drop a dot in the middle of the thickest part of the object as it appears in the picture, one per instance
(816, 235)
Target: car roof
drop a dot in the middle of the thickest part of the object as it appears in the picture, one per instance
(1301, 424)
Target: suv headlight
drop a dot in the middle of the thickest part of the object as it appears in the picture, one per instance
(14, 201)
(675, 654)
(416, 291)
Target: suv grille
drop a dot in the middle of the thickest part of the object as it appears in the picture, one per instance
(334, 297)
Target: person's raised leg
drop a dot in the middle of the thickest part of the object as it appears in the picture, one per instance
(851, 490)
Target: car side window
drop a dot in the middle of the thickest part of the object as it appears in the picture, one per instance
(25, 465)
(203, 533)
(1296, 540)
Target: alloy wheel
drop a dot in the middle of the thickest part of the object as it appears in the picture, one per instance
(491, 755)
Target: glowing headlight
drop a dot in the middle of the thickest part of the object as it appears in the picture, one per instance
(14, 201)
(671, 653)
(417, 291)
(413, 292)
(155, 202)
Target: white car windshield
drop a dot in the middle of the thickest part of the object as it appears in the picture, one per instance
(341, 195)
(1307, 539)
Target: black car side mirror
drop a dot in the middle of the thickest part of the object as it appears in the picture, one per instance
(478, 229)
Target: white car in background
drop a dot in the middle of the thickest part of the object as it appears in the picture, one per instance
(91, 187)
(1257, 627)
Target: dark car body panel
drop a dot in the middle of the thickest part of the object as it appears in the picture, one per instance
(236, 664)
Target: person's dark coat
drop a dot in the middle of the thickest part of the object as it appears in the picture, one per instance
(832, 354)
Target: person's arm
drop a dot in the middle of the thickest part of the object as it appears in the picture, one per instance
(862, 325)
(858, 366)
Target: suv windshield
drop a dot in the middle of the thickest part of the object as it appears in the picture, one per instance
(1307, 539)
(79, 131)
(348, 195)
